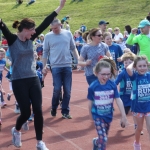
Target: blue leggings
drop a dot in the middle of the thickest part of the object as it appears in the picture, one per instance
(102, 130)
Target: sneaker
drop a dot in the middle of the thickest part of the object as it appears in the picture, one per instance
(41, 146)
(8, 97)
(137, 146)
(31, 117)
(17, 109)
(142, 132)
(25, 126)
(3, 104)
(60, 104)
(53, 112)
(66, 116)
(16, 137)
(95, 147)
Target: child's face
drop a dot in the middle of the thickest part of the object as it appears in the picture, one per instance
(108, 40)
(127, 62)
(2, 55)
(104, 75)
(141, 67)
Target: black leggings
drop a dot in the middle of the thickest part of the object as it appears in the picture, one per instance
(28, 91)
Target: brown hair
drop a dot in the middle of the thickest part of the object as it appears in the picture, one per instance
(85, 36)
(92, 32)
(139, 58)
(105, 63)
(26, 23)
(107, 34)
(112, 64)
(128, 55)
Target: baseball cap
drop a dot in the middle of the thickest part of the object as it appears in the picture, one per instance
(103, 22)
(144, 23)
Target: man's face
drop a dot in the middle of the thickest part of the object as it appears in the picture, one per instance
(145, 30)
(103, 27)
(56, 28)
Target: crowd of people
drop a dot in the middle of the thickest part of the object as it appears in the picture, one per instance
(116, 68)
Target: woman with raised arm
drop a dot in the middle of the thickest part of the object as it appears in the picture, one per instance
(25, 82)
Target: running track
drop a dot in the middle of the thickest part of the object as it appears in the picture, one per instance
(74, 134)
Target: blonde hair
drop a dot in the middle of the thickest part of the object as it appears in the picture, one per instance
(107, 34)
(128, 55)
(2, 50)
(139, 58)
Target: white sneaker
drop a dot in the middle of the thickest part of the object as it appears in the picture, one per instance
(25, 126)
(17, 109)
(16, 137)
(41, 146)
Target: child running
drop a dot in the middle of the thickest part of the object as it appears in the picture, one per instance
(140, 104)
(2, 67)
(101, 95)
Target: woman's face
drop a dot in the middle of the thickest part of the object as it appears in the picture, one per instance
(97, 38)
(29, 32)
(108, 40)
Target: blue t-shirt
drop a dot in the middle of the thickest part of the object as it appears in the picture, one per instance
(39, 67)
(116, 52)
(2, 65)
(8, 56)
(79, 40)
(140, 95)
(102, 97)
(125, 87)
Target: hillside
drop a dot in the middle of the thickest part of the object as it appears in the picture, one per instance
(117, 12)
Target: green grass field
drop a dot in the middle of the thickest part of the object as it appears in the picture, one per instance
(118, 12)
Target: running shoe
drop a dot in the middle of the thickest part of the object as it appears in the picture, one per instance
(31, 117)
(3, 104)
(8, 97)
(95, 147)
(66, 116)
(41, 146)
(17, 109)
(25, 126)
(16, 137)
(53, 112)
(137, 146)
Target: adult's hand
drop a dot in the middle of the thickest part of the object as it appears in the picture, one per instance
(88, 62)
(134, 30)
(62, 3)
(45, 71)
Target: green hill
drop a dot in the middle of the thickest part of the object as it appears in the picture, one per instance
(117, 12)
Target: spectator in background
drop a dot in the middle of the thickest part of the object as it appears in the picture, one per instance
(78, 40)
(111, 31)
(65, 19)
(119, 38)
(103, 25)
(39, 44)
(4, 43)
(67, 26)
(83, 28)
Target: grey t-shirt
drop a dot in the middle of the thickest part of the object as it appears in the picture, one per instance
(93, 53)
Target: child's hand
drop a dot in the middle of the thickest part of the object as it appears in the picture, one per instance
(123, 122)
(119, 59)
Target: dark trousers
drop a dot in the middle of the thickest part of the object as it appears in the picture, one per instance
(28, 91)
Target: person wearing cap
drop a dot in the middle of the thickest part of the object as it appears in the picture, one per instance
(143, 39)
(102, 25)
